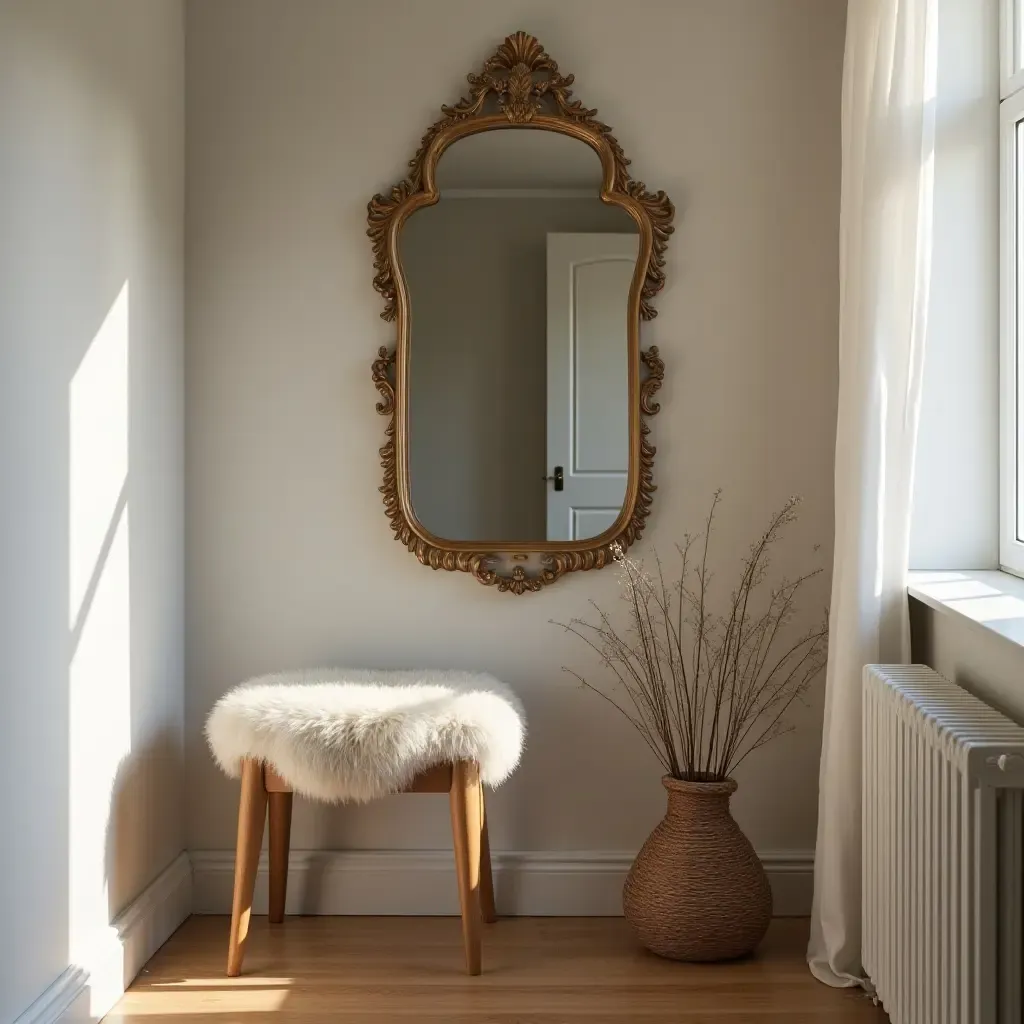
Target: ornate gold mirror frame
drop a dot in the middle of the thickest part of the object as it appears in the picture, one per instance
(520, 87)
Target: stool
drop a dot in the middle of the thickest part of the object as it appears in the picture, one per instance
(349, 736)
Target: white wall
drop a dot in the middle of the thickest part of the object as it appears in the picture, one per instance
(297, 114)
(91, 470)
(982, 662)
(956, 494)
(478, 375)
(956, 486)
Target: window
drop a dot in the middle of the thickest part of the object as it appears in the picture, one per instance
(1011, 219)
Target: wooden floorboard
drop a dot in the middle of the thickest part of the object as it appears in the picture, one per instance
(315, 970)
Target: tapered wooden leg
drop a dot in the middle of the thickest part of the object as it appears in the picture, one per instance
(252, 812)
(466, 833)
(487, 911)
(280, 840)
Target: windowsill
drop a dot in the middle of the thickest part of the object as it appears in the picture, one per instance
(989, 600)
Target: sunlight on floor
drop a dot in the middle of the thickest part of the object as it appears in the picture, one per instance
(234, 1000)
(233, 983)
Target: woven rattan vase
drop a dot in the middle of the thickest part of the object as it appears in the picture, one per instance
(697, 890)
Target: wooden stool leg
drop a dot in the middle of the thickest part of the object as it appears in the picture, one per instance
(252, 812)
(466, 832)
(487, 910)
(280, 840)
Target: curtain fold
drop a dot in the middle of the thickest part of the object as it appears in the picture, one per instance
(888, 119)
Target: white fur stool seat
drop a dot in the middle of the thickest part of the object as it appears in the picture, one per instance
(353, 735)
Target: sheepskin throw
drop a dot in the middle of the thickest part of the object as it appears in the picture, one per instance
(354, 735)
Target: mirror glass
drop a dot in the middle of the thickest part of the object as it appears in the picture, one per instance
(518, 282)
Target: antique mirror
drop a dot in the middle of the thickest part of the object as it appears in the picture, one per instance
(518, 259)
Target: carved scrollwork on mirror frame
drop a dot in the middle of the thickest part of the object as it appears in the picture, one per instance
(519, 87)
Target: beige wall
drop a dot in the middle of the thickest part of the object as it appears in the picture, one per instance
(478, 373)
(297, 114)
(983, 663)
(91, 447)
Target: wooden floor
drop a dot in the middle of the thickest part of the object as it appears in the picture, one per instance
(353, 970)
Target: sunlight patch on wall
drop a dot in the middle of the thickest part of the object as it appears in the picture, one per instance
(98, 398)
(99, 670)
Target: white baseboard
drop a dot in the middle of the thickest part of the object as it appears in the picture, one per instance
(85, 992)
(422, 883)
(66, 1000)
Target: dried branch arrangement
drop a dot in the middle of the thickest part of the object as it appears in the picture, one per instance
(705, 689)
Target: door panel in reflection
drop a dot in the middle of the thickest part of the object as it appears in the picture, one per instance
(589, 276)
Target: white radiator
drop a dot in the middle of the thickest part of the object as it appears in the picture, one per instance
(943, 872)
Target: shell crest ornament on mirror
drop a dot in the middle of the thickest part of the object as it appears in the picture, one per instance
(521, 86)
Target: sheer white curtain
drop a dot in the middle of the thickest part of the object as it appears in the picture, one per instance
(885, 253)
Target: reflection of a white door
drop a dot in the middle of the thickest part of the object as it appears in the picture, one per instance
(589, 276)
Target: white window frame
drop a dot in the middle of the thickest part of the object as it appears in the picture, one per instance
(1011, 59)
(1011, 249)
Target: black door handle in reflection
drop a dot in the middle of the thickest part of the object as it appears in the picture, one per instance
(559, 478)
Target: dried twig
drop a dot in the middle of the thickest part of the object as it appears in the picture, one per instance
(705, 690)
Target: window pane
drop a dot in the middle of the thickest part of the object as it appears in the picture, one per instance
(1017, 35)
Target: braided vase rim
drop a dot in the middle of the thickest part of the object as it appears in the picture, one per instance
(716, 787)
